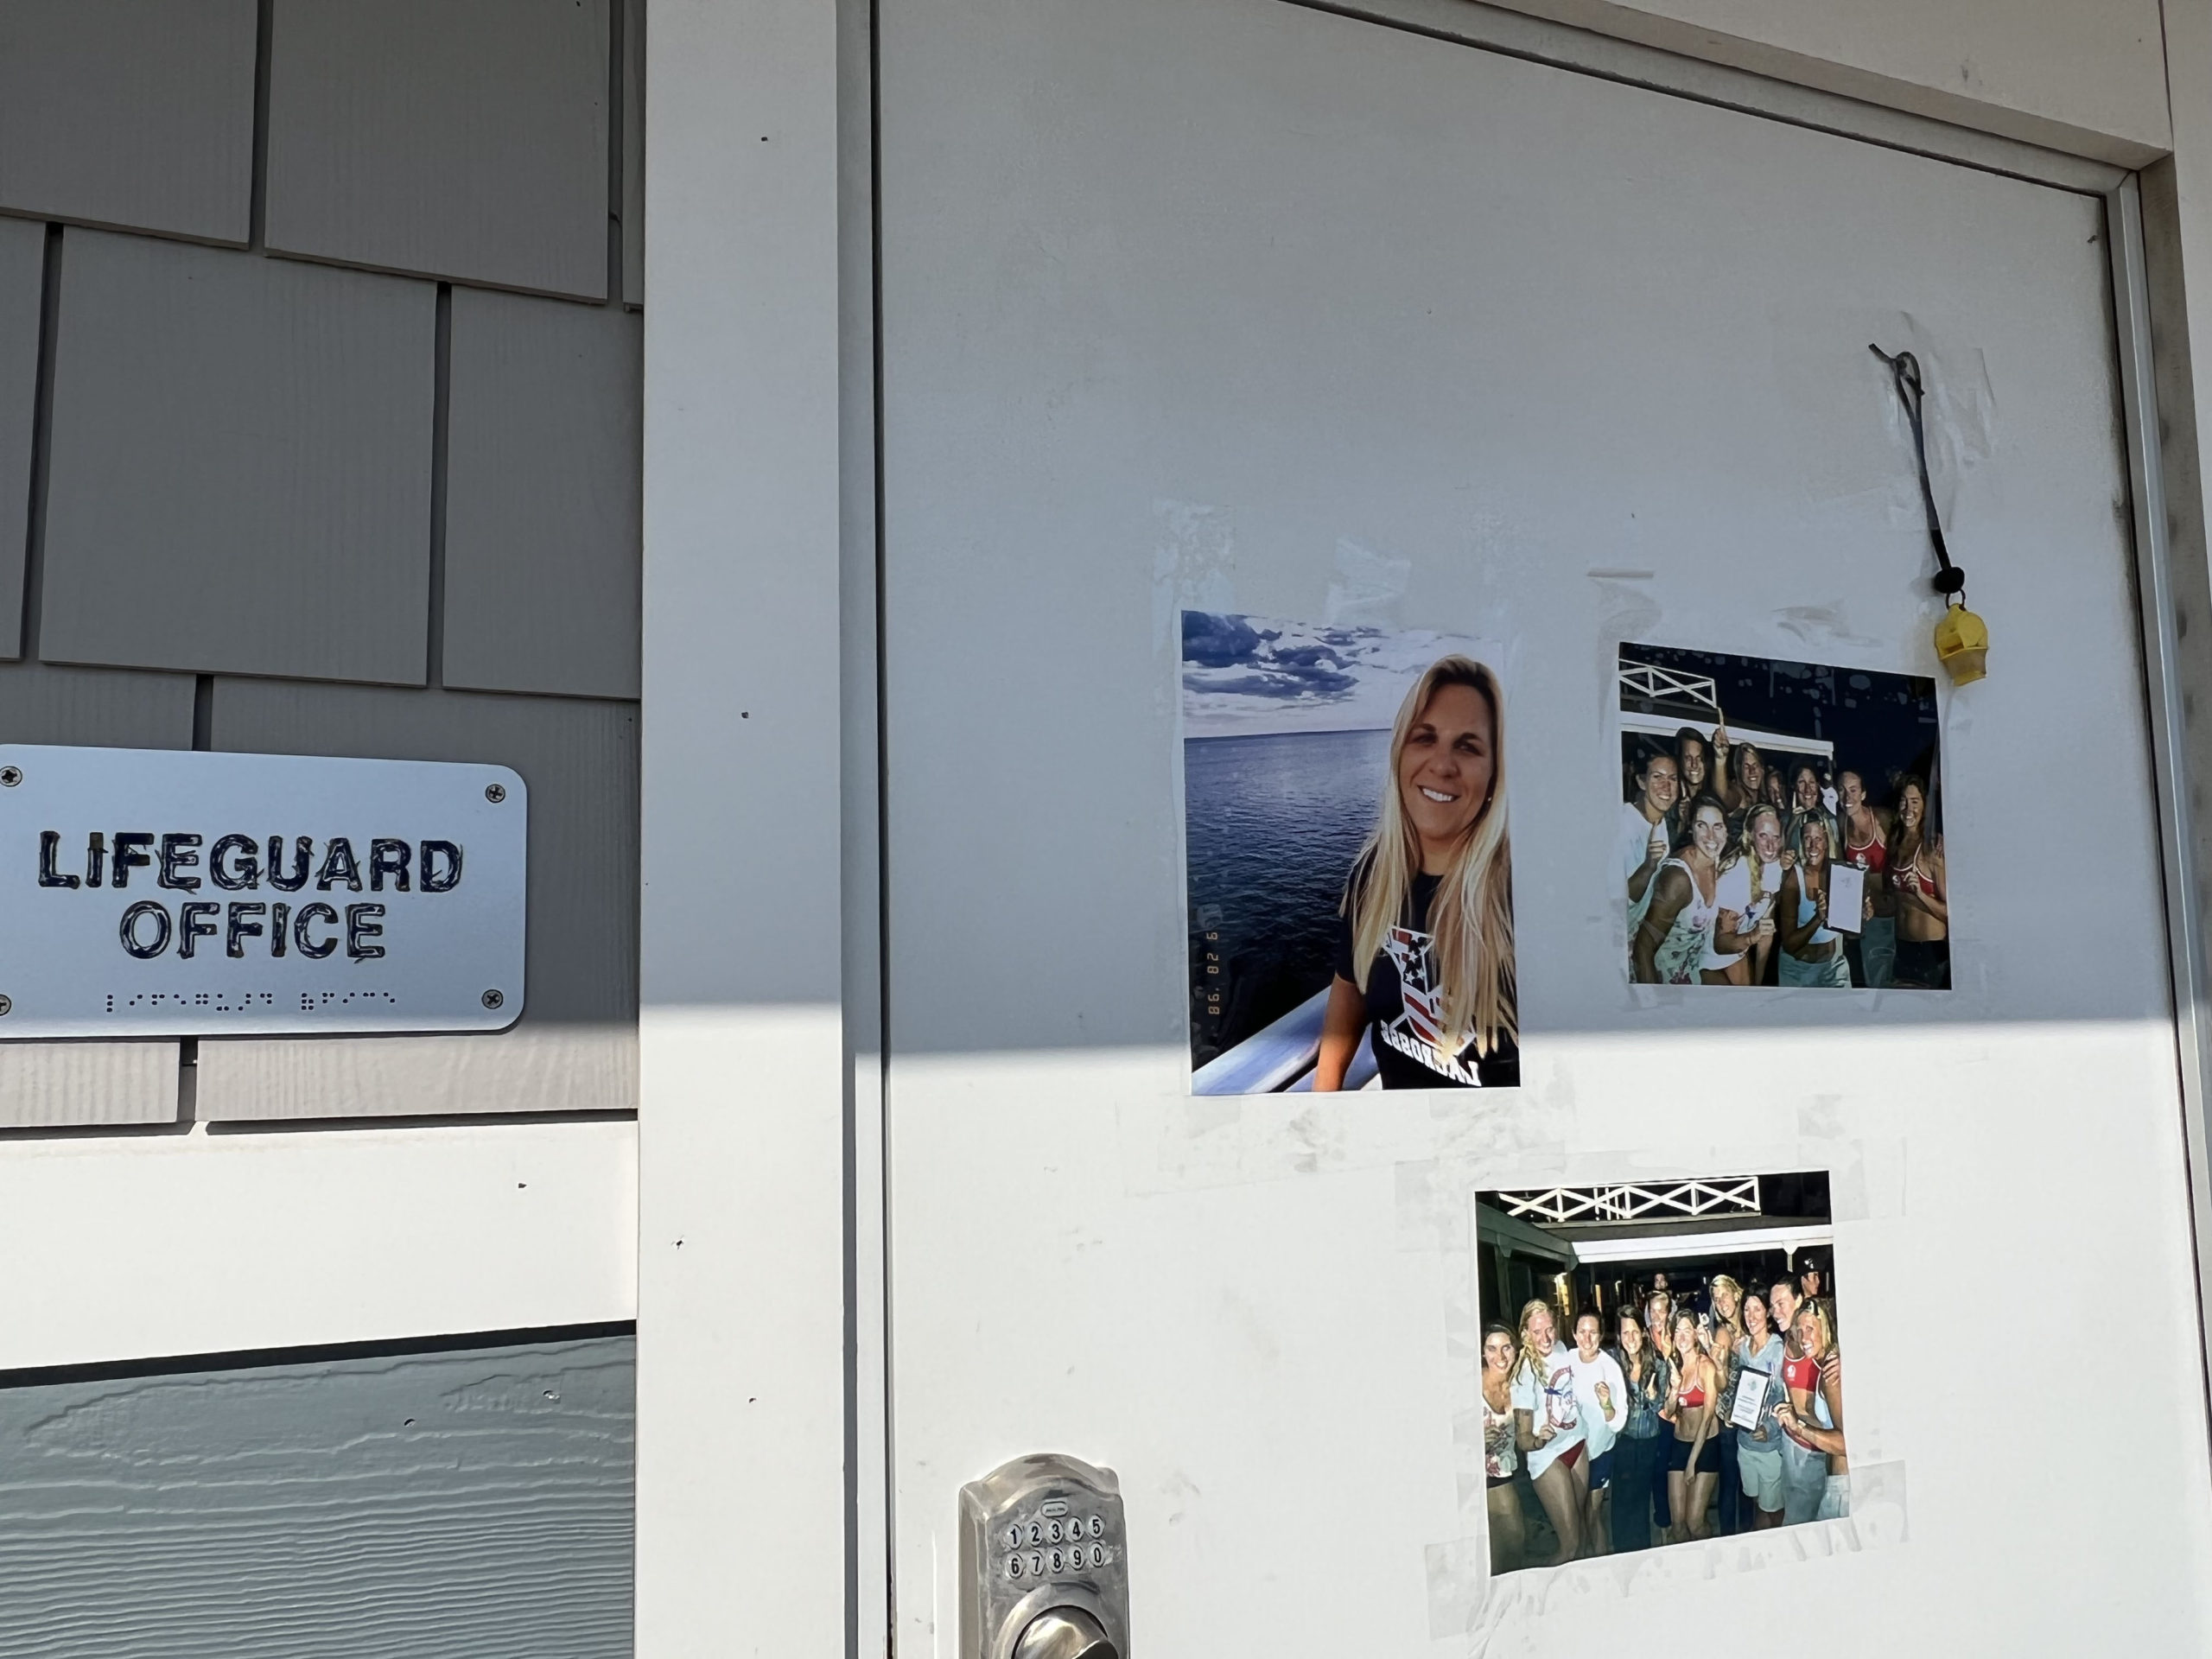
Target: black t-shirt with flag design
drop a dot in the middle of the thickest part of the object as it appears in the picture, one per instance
(1405, 1007)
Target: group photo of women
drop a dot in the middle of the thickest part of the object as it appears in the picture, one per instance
(1781, 824)
(1701, 1407)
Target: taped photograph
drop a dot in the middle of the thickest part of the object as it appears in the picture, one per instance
(1347, 861)
(1782, 824)
(1661, 1363)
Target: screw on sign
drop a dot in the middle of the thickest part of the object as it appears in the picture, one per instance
(492, 999)
(11, 776)
(495, 794)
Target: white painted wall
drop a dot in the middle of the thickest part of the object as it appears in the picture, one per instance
(1331, 284)
(2087, 76)
(742, 1540)
(218, 1240)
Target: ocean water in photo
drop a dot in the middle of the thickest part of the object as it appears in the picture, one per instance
(1273, 824)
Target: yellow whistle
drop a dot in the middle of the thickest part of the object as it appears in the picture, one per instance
(1962, 646)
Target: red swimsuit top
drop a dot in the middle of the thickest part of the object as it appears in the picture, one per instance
(1802, 1373)
(1693, 1399)
(1873, 855)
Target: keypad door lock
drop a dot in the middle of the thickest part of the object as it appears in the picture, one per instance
(1044, 1563)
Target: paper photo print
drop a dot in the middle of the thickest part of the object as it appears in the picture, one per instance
(1660, 1363)
(1347, 868)
(1782, 824)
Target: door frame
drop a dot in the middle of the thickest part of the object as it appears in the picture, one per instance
(763, 1197)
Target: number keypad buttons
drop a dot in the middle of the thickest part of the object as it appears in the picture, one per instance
(1032, 1547)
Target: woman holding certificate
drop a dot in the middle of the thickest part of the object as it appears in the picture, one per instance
(1812, 950)
(1759, 1432)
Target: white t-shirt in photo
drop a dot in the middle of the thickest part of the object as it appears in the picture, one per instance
(1632, 846)
(1732, 890)
(1550, 1400)
(1600, 1427)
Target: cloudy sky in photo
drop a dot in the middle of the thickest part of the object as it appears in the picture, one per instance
(1249, 675)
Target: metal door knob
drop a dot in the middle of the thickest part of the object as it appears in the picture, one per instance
(1064, 1633)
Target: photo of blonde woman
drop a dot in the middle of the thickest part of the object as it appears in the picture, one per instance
(1424, 964)
(1349, 859)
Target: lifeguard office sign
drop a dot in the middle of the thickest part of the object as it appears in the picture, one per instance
(157, 893)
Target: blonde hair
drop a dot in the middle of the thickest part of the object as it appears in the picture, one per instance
(1745, 848)
(1818, 1307)
(1471, 918)
(1725, 1363)
(1526, 1360)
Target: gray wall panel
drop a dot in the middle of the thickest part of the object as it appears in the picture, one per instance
(463, 141)
(22, 263)
(538, 1067)
(133, 112)
(44, 1084)
(574, 1048)
(470, 1504)
(542, 573)
(41, 702)
(240, 473)
(81, 1085)
(634, 152)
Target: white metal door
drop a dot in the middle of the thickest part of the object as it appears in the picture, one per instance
(1230, 302)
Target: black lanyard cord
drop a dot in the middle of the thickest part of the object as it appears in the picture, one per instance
(1904, 373)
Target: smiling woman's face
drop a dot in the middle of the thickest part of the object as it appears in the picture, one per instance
(1807, 1323)
(1446, 768)
(1685, 1335)
(1710, 829)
